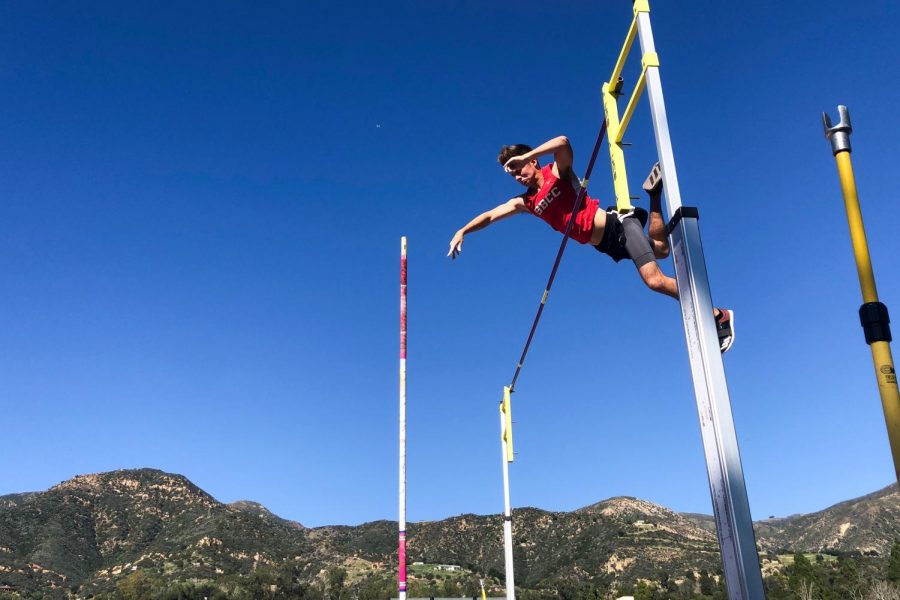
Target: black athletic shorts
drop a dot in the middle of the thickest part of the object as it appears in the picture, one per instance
(625, 238)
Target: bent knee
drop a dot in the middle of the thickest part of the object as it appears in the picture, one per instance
(661, 250)
(655, 280)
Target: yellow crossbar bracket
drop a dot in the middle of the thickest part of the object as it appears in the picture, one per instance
(629, 108)
(506, 411)
(626, 50)
(641, 6)
(650, 59)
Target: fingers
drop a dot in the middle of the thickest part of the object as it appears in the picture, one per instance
(455, 249)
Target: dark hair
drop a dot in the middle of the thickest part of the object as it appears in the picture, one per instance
(507, 152)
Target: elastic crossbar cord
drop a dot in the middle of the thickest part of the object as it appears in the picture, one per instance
(562, 247)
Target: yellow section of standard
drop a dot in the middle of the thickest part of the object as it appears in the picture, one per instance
(506, 411)
(611, 91)
(623, 54)
(629, 108)
(881, 351)
(616, 155)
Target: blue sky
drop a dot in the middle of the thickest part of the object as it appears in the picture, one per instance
(200, 231)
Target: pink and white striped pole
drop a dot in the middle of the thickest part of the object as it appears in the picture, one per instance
(401, 548)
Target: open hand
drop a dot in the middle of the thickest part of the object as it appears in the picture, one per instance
(456, 245)
(515, 163)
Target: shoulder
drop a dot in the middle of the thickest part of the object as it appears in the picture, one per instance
(524, 202)
(550, 171)
(558, 172)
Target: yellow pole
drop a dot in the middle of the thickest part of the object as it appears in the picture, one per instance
(506, 410)
(873, 314)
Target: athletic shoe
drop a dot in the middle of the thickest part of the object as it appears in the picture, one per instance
(653, 183)
(725, 328)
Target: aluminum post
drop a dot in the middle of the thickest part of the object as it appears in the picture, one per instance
(731, 507)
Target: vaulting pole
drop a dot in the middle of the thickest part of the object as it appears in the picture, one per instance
(873, 315)
(401, 547)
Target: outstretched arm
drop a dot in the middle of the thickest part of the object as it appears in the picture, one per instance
(558, 146)
(507, 209)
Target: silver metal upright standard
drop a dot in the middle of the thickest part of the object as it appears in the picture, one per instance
(726, 476)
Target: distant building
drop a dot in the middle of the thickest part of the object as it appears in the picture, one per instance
(448, 567)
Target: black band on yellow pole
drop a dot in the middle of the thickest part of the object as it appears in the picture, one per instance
(876, 324)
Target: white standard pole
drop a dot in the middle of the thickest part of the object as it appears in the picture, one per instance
(507, 514)
(401, 546)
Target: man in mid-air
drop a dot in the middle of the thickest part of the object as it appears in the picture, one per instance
(550, 194)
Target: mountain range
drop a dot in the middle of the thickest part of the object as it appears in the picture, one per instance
(85, 535)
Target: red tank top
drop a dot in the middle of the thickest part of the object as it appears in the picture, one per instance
(554, 203)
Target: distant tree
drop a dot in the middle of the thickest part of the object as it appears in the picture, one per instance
(450, 588)
(646, 591)
(667, 583)
(893, 568)
(721, 592)
(707, 583)
(335, 578)
(624, 589)
(883, 590)
(471, 586)
(566, 590)
(136, 586)
(802, 567)
(376, 587)
(806, 590)
(778, 588)
(803, 573)
(848, 580)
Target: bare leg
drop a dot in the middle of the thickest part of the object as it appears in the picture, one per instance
(650, 272)
(657, 281)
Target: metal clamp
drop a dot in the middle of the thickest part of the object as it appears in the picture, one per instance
(839, 135)
(686, 212)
